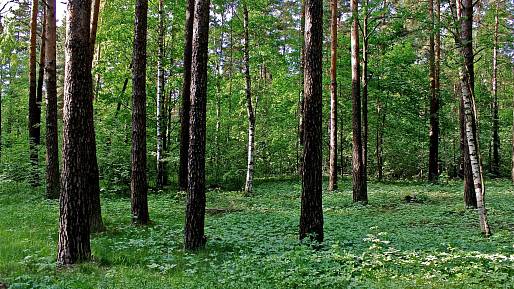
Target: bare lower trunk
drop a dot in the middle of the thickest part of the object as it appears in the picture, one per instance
(467, 84)
(249, 107)
(80, 170)
(359, 183)
(311, 214)
(194, 237)
(332, 181)
(433, 157)
(161, 174)
(138, 180)
(52, 151)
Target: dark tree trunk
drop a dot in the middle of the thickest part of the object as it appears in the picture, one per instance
(33, 107)
(96, 221)
(433, 155)
(311, 215)
(332, 181)
(80, 170)
(195, 209)
(359, 182)
(52, 143)
(138, 180)
(495, 164)
(186, 95)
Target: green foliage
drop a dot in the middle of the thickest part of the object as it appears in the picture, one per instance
(252, 242)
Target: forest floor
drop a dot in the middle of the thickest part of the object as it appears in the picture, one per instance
(253, 241)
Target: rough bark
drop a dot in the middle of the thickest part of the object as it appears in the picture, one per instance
(249, 107)
(52, 143)
(33, 125)
(332, 181)
(365, 127)
(358, 180)
(467, 84)
(186, 101)
(495, 163)
(433, 155)
(311, 215)
(138, 180)
(195, 208)
(161, 113)
(80, 170)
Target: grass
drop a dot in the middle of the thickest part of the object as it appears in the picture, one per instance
(253, 244)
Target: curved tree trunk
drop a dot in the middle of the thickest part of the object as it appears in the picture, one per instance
(80, 170)
(359, 182)
(52, 130)
(186, 101)
(195, 208)
(332, 181)
(311, 214)
(138, 180)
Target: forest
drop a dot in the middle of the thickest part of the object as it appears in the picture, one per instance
(256, 144)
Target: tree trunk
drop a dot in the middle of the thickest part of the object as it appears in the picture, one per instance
(467, 84)
(332, 181)
(359, 183)
(39, 91)
(495, 165)
(311, 215)
(96, 221)
(249, 106)
(186, 95)
(94, 26)
(52, 130)
(161, 132)
(80, 170)
(433, 157)
(365, 128)
(512, 169)
(33, 107)
(138, 180)
(195, 209)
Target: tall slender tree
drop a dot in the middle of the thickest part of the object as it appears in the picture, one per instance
(359, 183)
(433, 156)
(311, 214)
(470, 118)
(161, 113)
(138, 180)
(332, 182)
(80, 170)
(33, 126)
(40, 78)
(495, 162)
(250, 108)
(186, 95)
(52, 130)
(195, 208)
(365, 127)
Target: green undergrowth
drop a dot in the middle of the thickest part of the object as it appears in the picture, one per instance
(432, 242)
